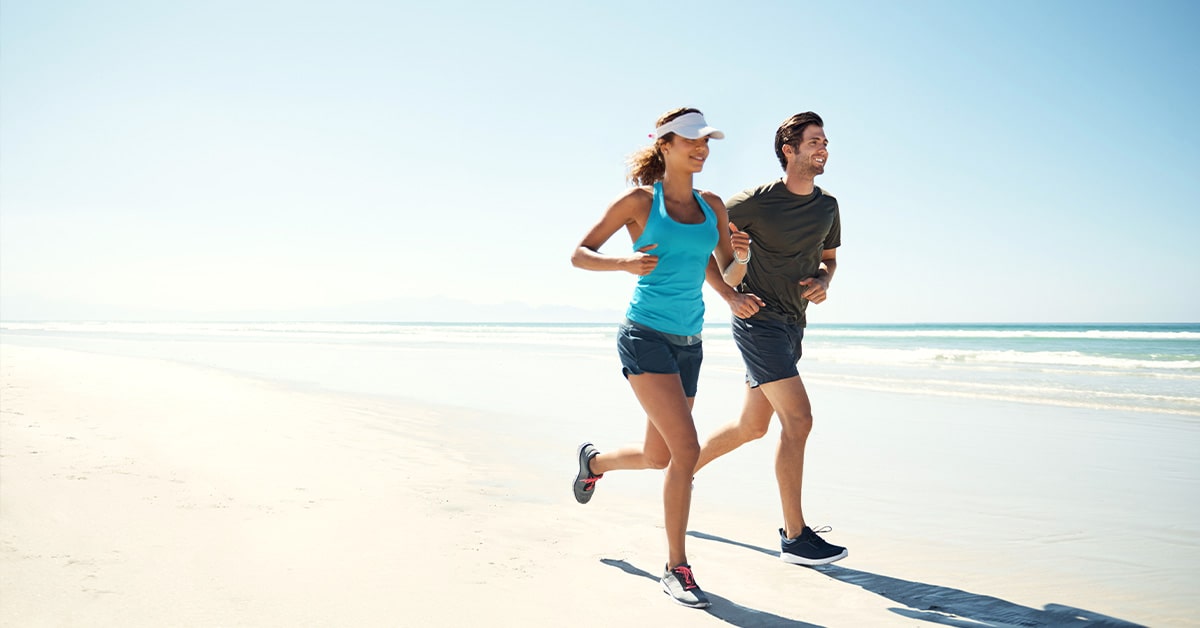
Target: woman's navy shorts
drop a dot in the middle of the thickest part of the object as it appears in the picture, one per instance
(769, 348)
(644, 350)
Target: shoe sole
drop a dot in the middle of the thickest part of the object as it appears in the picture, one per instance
(581, 497)
(681, 602)
(793, 559)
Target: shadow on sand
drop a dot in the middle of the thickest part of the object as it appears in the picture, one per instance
(951, 607)
(722, 608)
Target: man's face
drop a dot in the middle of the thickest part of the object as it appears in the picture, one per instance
(809, 154)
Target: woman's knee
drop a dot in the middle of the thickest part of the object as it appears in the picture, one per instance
(687, 454)
(658, 459)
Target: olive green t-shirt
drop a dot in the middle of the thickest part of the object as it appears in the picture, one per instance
(788, 233)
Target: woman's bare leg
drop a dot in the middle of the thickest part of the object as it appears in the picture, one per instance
(651, 454)
(670, 413)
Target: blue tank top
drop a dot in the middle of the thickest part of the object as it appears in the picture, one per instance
(670, 299)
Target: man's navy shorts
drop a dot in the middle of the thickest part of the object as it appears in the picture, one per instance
(769, 348)
(644, 350)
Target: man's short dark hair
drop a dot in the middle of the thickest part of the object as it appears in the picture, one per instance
(792, 130)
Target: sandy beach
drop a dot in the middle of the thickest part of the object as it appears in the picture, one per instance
(144, 492)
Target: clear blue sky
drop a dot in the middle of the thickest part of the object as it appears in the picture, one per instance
(995, 161)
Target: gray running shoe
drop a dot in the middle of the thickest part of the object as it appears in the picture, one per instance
(809, 549)
(585, 480)
(680, 584)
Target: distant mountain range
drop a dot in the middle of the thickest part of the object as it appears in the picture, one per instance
(392, 310)
(443, 310)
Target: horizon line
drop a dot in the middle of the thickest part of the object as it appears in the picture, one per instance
(545, 322)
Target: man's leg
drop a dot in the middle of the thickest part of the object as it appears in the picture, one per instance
(790, 401)
(800, 545)
(751, 425)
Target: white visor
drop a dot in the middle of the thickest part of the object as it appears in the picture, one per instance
(689, 125)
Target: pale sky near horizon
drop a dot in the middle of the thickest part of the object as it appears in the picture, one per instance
(1017, 161)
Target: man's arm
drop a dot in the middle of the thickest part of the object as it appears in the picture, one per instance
(818, 285)
(742, 305)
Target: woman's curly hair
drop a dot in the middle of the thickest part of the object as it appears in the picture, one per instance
(646, 166)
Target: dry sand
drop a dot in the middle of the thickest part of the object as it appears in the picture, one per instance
(137, 492)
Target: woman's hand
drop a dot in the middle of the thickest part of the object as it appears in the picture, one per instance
(640, 263)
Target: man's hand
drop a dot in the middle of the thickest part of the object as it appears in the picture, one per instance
(817, 289)
(744, 305)
(740, 242)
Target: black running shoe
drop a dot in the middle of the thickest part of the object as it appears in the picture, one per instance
(585, 481)
(680, 584)
(809, 549)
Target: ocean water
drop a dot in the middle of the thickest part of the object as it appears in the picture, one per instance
(1131, 367)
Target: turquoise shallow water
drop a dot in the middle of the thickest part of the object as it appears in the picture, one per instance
(1139, 367)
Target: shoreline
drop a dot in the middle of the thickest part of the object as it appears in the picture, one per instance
(168, 494)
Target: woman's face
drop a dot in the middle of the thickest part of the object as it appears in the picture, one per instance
(683, 154)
